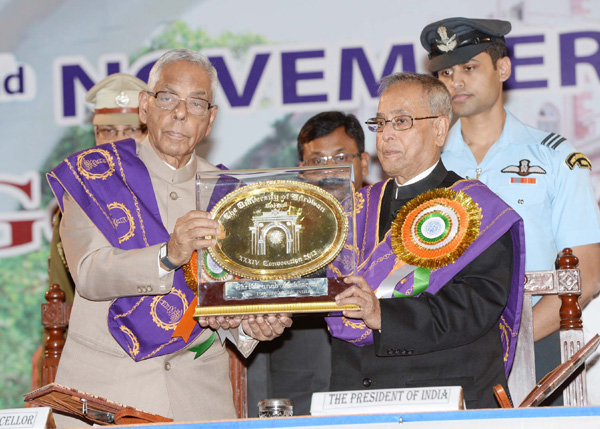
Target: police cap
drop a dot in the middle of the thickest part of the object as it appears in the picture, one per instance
(116, 99)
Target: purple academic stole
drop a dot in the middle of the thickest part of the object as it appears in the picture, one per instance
(112, 186)
(376, 260)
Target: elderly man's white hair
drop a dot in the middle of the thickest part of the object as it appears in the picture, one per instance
(184, 55)
(437, 96)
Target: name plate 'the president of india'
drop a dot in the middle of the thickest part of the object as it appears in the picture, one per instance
(280, 231)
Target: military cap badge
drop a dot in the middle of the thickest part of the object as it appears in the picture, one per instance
(447, 41)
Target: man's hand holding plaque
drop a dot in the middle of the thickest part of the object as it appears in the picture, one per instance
(195, 230)
(267, 327)
(192, 231)
(260, 327)
(363, 296)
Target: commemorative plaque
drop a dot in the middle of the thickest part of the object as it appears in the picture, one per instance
(281, 232)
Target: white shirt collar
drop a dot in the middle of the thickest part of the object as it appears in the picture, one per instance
(419, 176)
(173, 168)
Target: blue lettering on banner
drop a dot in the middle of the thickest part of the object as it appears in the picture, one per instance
(13, 83)
(254, 76)
(17, 80)
(70, 75)
(290, 77)
(569, 59)
(324, 77)
(73, 77)
(512, 82)
(350, 56)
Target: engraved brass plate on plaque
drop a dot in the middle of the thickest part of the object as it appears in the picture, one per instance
(268, 289)
(278, 229)
(305, 295)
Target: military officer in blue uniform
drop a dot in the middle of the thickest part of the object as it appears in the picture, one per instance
(540, 174)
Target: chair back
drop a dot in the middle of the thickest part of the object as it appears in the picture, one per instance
(566, 283)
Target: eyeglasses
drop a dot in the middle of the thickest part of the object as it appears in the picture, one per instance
(400, 123)
(111, 132)
(338, 158)
(167, 100)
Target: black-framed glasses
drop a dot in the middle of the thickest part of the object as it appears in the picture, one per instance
(400, 123)
(167, 100)
(338, 158)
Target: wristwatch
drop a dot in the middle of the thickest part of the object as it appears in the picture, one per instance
(164, 258)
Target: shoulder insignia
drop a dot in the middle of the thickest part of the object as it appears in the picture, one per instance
(578, 159)
(524, 169)
(553, 140)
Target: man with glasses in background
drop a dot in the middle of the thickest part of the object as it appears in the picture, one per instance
(334, 138)
(130, 222)
(436, 305)
(299, 362)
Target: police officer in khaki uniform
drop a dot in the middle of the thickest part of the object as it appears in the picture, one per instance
(115, 100)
